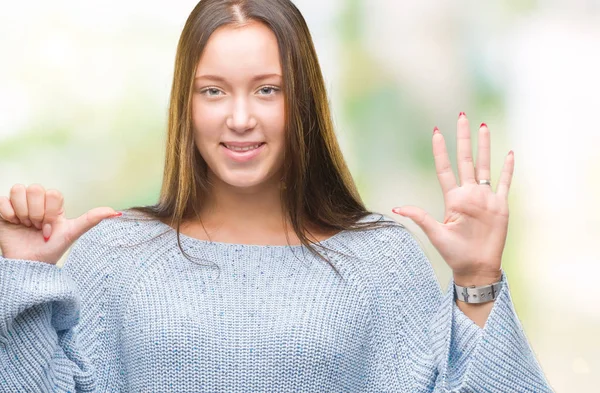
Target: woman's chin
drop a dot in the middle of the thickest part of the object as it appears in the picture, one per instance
(246, 182)
(250, 179)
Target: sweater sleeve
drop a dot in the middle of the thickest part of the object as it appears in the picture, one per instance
(43, 344)
(495, 358)
(448, 352)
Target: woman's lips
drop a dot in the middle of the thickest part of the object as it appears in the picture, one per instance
(235, 154)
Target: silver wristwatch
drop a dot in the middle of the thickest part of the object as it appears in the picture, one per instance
(482, 294)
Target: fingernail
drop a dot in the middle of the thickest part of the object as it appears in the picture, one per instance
(435, 130)
(46, 239)
(511, 153)
(483, 125)
(47, 231)
(396, 210)
(461, 114)
(118, 214)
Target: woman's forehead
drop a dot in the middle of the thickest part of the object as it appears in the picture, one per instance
(246, 51)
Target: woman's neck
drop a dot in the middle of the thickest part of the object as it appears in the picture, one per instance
(250, 208)
(248, 216)
(244, 216)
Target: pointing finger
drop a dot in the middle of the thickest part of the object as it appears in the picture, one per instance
(88, 220)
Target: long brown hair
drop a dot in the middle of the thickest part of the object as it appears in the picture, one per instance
(319, 191)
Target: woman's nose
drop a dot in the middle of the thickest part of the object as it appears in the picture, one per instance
(241, 118)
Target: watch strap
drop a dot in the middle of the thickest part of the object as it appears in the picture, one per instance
(480, 294)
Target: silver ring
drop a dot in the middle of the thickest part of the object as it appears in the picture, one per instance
(486, 182)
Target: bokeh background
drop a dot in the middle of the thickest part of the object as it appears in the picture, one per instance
(84, 90)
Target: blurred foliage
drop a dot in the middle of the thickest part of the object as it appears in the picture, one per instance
(35, 138)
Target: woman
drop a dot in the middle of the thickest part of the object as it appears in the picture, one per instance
(254, 179)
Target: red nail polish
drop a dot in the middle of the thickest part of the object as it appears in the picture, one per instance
(46, 239)
(483, 125)
(119, 214)
(462, 114)
(435, 129)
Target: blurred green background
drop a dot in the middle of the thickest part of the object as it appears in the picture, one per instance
(83, 105)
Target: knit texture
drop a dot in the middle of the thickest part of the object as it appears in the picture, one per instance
(128, 313)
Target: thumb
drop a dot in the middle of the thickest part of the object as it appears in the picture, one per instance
(88, 220)
(420, 217)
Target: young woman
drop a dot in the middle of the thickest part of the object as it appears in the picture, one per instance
(311, 291)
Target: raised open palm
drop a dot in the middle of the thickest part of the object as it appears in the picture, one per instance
(33, 225)
(472, 236)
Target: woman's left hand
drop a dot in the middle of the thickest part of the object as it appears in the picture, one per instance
(472, 237)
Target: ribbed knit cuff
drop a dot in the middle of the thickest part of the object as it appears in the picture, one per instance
(499, 352)
(465, 337)
(38, 308)
(24, 284)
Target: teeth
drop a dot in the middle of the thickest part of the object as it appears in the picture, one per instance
(235, 148)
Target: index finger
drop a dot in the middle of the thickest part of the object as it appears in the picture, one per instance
(7, 213)
(443, 167)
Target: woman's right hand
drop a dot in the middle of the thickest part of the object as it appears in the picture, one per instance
(33, 225)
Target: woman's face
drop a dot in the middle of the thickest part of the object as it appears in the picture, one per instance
(238, 106)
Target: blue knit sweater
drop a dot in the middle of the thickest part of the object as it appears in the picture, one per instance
(128, 313)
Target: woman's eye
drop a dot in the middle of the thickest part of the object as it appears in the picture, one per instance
(267, 90)
(211, 92)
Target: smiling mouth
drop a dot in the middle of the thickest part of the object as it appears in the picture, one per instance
(244, 148)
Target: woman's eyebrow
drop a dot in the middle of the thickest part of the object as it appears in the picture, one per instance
(265, 76)
(254, 79)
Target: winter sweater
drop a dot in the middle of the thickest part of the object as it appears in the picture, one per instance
(129, 313)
